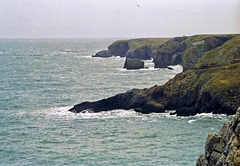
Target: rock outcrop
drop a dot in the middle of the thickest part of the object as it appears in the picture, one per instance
(131, 64)
(134, 48)
(128, 100)
(212, 85)
(103, 54)
(119, 48)
(223, 148)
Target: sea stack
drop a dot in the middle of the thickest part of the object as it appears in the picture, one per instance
(131, 64)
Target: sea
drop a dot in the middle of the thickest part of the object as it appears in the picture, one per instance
(40, 79)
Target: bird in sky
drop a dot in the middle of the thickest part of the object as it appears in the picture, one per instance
(138, 5)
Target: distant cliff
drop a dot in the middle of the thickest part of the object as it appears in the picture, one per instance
(186, 51)
(210, 83)
(135, 48)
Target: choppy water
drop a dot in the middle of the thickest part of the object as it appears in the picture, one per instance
(40, 79)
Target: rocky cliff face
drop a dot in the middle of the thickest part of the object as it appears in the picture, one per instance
(169, 53)
(143, 53)
(119, 48)
(186, 50)
(198, 45)
(223, 148)
(136, 48)
(210, 86)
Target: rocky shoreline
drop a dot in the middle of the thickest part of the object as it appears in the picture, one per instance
(210, 81)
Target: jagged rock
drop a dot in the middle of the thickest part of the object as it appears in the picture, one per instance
(223, 148)
(133, 64)
(130, 99)
(103, 54)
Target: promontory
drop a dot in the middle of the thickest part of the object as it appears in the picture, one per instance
(210, 81)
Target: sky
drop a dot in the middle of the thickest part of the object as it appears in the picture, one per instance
(117, 18)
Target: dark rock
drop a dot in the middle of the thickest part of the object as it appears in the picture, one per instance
(103, 54)
(170, 68)
(119, 48)
(142, 53)
(129, 100)
(133, 64)
(223, 148)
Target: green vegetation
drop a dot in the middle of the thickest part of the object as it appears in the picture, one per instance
(199, 44)
(151, 42)
(226, 54)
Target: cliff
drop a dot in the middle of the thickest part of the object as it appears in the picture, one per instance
(198, 45)
(211, 85)
(186, 50)
(167, 51)
(223, 148)
(135, 48)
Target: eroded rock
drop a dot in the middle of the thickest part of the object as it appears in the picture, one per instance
(223, 148)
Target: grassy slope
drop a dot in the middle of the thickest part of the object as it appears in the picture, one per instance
(226, 54)
(199, 44)
(152, 42)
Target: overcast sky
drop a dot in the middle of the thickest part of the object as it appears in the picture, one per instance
(117, 18)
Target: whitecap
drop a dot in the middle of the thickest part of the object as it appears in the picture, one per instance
(191, 121)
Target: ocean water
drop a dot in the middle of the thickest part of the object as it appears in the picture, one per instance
(40, 79)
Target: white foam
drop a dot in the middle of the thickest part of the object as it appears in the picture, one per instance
(88, 56)
(63, 113)
(204, 115)
(134, 70)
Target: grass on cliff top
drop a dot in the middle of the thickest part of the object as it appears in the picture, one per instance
(152, 42)
(222, 79)
(199, 44)
(136, 43)
(226, 54)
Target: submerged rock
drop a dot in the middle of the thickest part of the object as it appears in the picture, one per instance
(223, 148)
(103, 54)
(133, 64)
